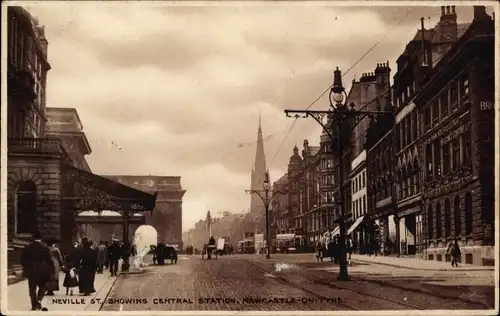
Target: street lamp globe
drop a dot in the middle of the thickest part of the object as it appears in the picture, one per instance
(337, 98)
(267, 185)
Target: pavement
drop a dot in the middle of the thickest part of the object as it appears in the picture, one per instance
(419, 264)
(19, 301)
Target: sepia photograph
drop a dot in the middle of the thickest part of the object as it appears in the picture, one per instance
(244, 157)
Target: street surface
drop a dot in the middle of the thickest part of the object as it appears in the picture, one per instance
(296, 282)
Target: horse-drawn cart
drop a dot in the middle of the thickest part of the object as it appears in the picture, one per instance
(211, 249)
(208, 250)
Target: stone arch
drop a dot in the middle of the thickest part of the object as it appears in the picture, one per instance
(17, 175)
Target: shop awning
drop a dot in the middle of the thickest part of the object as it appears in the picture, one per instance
(88, 191)
(285, 236)
(335, 231)
(356, 224)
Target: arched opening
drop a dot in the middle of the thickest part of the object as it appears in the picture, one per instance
(457, 216)
(468, 213)
(26, 212)
(430, 220)
(438, 220)
(447, 218)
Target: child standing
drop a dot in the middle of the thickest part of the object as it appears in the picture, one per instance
(70, 280)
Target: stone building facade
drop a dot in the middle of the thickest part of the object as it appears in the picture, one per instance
(367, 94)
(45, 186)
(456, 108)
(166, 217)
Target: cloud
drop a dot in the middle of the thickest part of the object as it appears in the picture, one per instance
(179, 88)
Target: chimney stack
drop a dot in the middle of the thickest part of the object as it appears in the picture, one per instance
(453, 10)
(480, 13)
(442, 10)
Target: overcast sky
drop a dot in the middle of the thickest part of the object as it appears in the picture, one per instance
(180, 88)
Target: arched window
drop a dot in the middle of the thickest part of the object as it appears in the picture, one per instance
(430, 222)
(447, 218)
(468, 214)
(438, 221)
(26, 214)
(457, 216)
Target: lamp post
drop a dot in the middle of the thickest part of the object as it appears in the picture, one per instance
(339, 113)
(267, 197)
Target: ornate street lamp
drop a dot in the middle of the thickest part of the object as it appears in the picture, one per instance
(267, 197)
(340, 113)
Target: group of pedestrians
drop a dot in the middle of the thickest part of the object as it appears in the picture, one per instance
(332, 248)
(42, 263)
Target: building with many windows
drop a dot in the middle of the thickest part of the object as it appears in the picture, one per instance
(456, 108)
(366, 94)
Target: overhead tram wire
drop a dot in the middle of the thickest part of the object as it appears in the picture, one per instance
(410, 12)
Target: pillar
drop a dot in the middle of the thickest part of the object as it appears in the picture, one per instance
(398, 235)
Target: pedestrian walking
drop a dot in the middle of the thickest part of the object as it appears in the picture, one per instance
(114, 254)
(101, 257)
(57, 260)
(454, 251)
(38, 267)
(106, 261)
(349, 248)
(87, 269)
(70, 280)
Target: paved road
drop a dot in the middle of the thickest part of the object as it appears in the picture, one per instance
(199, 284)
(306, 284)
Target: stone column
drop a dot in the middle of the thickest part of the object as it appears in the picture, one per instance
(398, 235)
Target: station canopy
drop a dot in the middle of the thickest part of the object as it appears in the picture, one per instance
(88, 191)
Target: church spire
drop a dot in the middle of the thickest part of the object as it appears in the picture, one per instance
(258, 175)
(260, 157)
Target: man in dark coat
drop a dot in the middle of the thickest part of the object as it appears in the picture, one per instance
(114, 254)
(38, 268)
(88, 265)
(102, 253)
(454, 251)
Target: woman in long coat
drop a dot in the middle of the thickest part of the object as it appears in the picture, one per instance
(57, 260)
(88, 266)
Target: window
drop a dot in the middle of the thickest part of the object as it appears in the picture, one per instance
(437, 158)
(428, 161)
(329, 163)
(464, 87)
(446, 158)
(456, 153)
(453, 95)
(364, 209)
(467, 148)
(435, 111)
(430, 224)
(363, 179)
(443, 103)
(438, 221)
(468, 214)
(427, 117)
(408, 130)
(414, 125)
(447, 219)
(457, 216)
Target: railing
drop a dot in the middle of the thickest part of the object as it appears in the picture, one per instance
(36, 145)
